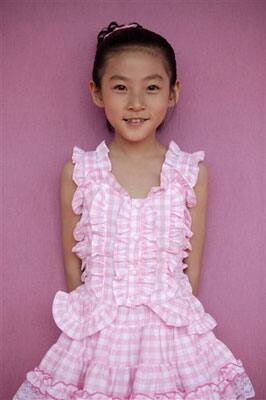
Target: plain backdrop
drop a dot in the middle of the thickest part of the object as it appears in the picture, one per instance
(47, 56)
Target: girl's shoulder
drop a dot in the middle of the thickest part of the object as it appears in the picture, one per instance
(188, 164)
(72, 169)
(81, 163)
(67, 170)
(67, 184)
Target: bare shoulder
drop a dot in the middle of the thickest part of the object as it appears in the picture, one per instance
(67, 184)
(203, 171)
(67, 171)
(202, 181)
(201, 188)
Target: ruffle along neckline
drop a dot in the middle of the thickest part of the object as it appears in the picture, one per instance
(102, 151)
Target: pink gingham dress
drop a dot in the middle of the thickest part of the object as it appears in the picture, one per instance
(133, 329)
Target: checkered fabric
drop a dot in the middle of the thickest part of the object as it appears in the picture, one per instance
(133, 329)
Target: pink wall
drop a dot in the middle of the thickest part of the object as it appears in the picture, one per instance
(48, 53)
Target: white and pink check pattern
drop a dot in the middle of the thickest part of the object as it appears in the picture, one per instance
(133, 329)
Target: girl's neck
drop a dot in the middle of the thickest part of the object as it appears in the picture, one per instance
(136, 150)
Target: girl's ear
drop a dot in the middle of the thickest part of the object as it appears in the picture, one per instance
(174, 95)
(96, 94)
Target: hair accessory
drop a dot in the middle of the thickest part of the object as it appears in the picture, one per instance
(133, 24)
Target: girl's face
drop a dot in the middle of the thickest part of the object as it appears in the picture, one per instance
(135, 85)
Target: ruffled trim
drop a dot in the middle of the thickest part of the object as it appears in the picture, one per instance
(175, 304)
(180, 231)
(102, 152)
(78, 176)
(187, 164)
(142, 269)
(98, 262)
(93, 169)
(78, 314)
(193, 167)
(78, 156)
(85, 201)
(170, 297)
(232, 383)
(192, 176)
(88, 174)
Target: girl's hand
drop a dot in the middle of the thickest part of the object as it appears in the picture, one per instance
(72, 264)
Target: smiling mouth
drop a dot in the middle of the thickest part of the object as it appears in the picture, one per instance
(135, 121)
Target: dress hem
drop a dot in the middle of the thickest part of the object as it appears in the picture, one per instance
(238, 384)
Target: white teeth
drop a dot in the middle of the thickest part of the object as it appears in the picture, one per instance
(135, 120)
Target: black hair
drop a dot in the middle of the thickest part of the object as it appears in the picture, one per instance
(135, 36)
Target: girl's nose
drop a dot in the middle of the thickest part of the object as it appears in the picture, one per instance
(136, 102)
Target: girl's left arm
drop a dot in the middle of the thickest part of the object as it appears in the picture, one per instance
(198, 214)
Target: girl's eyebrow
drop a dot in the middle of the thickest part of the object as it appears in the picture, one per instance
(147, 78)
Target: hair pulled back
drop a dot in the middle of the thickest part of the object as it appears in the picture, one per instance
(112, 40)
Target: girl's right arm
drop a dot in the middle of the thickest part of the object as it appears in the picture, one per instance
(72, 264)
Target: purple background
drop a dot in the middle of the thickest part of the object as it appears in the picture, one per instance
(48, 53)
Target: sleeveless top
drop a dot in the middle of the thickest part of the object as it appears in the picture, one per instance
(132, 249)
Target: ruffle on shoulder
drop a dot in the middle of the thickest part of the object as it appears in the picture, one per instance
(78, 158)
(192, 170)
(86, 174)
(79, 313)
(192, 176)
(187, 165)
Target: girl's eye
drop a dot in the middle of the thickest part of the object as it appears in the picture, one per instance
(122, 86)
(154, 86)
(119, 86)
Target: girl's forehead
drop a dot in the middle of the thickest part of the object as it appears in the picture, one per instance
(140, 54)
(135, 62)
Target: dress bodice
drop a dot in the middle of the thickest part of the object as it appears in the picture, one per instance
(132, 249)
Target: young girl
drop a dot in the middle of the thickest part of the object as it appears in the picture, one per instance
(132, 326)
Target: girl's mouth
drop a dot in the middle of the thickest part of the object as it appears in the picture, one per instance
(135, 121)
